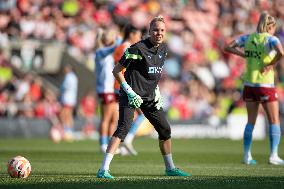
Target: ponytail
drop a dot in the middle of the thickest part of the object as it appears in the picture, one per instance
(264, 22)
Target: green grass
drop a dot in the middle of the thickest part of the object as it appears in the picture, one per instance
(214, 163)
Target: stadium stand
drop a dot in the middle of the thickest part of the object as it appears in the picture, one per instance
(200, 82)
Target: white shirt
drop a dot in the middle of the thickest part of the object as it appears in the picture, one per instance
(68, 89)
(104, 65)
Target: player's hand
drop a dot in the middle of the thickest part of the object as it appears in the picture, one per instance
(158, 99)
(134, 99)
(266, 69)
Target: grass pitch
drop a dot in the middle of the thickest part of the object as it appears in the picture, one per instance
(214, 163)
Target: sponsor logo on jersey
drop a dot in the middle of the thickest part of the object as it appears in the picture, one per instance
(252, 54)
(154, 70)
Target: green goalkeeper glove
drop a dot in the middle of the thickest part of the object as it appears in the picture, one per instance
(158, 99)
(134, 100)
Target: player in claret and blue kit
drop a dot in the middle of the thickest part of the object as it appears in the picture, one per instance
(261, 50)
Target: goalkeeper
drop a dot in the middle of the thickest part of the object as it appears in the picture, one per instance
(139, 89)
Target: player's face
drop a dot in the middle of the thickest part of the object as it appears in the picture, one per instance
(157, 32)
(108, 41)
(272, 29)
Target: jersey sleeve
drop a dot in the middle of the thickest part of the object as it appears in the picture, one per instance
(130, 55)
(273, 41)
(240, 41)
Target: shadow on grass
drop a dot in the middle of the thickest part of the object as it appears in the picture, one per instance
(157, 182)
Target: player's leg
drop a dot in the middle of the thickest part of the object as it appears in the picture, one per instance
(125, 119)
(131, 134)
(113, 123)
(66, 118)
(161, 125)
(103, 172)
(114, 119)
(272, 111)
(252, 112)
(134, 127)
(104, 125)
(70, 117)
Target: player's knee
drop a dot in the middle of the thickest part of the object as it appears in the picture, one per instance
(165, 134)
(120, 133)
(274, 120)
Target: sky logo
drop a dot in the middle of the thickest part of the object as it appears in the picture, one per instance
(154, 70)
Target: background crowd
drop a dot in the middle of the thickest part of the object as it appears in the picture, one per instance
(200, 80)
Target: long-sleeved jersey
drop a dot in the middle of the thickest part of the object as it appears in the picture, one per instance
(144, 65)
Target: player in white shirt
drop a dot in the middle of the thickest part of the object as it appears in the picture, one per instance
(105, 86)
(68, 100)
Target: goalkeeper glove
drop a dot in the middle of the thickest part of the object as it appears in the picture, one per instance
(134, 100)
(158, 99)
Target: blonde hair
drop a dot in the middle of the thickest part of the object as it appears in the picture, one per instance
(156, 19)
(109, 35)
(264, 22)
(105, 35)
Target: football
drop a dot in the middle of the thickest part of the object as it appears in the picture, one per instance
(19, 167)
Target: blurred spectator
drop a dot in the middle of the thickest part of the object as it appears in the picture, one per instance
(3, 103)
(87, 111)
(36, 89)
(26, 107)
(48, 107)
(6, 5)
(23, 87)
(88, 105)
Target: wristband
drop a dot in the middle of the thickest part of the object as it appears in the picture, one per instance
(126, 87)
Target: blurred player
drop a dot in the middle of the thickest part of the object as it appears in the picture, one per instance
(131, 36)
(87, 111)
(105, 86)
(261, 50)
(139, 89)
(68, 100)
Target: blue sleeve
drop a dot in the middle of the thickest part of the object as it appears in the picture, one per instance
(273, 41)
(240, 41)
(105, 51)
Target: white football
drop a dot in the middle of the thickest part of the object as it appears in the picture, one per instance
(19, 167)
